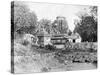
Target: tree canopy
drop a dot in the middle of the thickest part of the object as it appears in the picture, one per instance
(87, 27)
(21, 16)
(45, 24)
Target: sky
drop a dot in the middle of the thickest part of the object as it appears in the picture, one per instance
(50, 11)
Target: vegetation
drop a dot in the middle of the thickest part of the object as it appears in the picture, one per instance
(88, 25)
(24, 21)
(38, 58)
(44, 24)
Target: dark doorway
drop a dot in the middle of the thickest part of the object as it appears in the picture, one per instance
(73, 40)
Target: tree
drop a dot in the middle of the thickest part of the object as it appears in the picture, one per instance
(93, 11)
(45, 24)
(87, 28)
(87, 25)
(20, 16)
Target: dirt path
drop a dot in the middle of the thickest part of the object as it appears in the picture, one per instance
(46, 63)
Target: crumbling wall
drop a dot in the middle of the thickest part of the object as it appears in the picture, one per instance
(82, 45)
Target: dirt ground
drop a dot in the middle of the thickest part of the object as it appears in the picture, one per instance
(38, 63)
(30, 60)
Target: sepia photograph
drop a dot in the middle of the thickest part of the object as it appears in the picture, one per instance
(50, 37)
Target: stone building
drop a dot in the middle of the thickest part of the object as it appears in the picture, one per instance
(43, 38)
(61, 25)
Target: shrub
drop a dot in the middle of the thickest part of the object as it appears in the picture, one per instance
(44, 69)
(49, 47)
(25, 43)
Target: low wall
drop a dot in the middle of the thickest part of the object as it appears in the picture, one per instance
(82, 45)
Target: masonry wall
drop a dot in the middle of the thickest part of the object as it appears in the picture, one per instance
(82, 45)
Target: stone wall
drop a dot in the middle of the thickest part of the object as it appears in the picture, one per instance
(82, 45)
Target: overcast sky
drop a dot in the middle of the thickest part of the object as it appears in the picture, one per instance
(51, 11)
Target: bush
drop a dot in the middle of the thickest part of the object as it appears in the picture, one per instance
(25, 43)
(44, 69)
(49, 47)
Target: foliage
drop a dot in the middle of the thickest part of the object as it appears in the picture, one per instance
(50, 47)
(87, 28)
(44, 69)
(60, 25)
(93, 11)
(20, 16)
(55, 27)
(44, 24)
